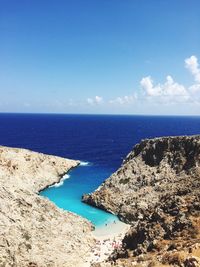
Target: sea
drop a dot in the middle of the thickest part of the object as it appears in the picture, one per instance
(100, 142)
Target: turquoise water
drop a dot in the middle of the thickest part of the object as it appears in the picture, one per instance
(67, 194)
(103, 140)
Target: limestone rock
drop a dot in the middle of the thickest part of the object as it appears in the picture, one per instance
(157, 190)
(33, 231)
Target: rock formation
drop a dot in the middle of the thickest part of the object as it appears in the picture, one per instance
(33, 231)
(157, 191)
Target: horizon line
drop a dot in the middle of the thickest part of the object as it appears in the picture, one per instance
(101, 114)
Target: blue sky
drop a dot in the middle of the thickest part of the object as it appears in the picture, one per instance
(100, 56)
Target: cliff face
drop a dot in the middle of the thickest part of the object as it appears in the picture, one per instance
(157, 190)
(33, 231)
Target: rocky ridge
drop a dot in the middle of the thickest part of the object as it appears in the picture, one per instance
(157, 191)
(34, 232)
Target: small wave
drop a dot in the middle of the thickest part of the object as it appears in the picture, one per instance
(61, 182)
(84, 163)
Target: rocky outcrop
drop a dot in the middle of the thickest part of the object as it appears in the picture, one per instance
(157, 190)
(33, 231)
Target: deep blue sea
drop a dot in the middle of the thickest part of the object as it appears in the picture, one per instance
(99, 141)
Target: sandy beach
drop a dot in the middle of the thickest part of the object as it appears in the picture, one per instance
(108, 238)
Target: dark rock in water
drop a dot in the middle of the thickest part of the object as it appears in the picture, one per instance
(157, 191)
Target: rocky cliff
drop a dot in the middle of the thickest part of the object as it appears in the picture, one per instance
(33, 231)
(157, 190)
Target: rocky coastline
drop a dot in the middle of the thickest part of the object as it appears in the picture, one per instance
(157, 191)
(34, 232)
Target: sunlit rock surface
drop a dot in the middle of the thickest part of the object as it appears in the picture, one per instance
(33, 231)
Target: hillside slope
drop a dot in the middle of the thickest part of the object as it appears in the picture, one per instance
(33, 231)
(157, 190)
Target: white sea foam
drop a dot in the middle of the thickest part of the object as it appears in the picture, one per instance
(61, 182)
(84, 163)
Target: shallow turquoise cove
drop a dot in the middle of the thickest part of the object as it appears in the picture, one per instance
(67, 194)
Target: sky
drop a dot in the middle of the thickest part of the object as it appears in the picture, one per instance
(100, 56)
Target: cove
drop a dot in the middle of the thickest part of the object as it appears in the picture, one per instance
(67, 194)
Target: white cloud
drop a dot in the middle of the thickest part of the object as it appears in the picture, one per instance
(147, 85)
(171, 91)
(98, 99)
(168, 91)
(194, 89)
(192, 65)
(124, 100)
(95, 101)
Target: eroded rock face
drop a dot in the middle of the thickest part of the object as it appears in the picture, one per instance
(33, 231)
(157, 190)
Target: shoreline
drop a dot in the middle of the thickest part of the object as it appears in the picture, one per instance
(110, 230)
(64, 176)
(61, 178)
(108, 238)
(30, 221)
